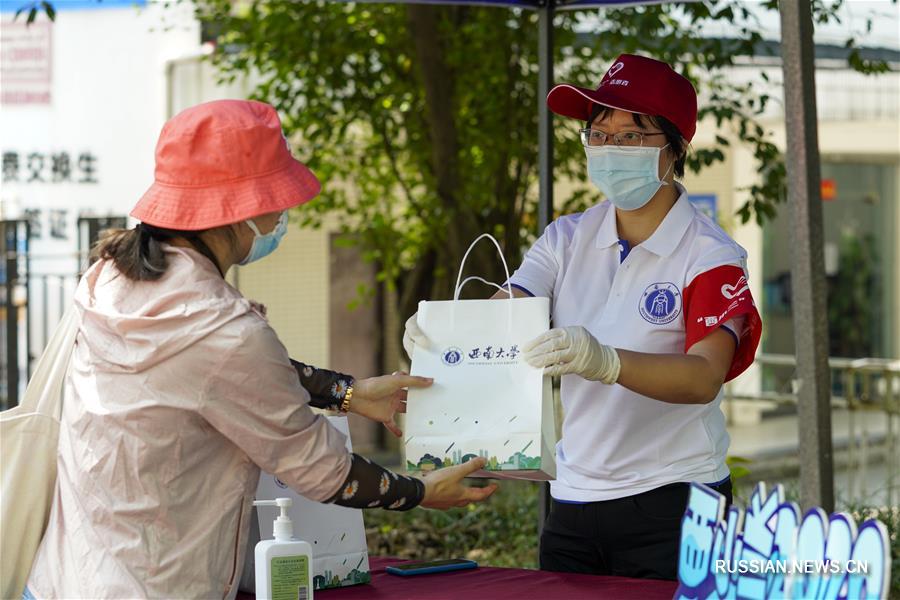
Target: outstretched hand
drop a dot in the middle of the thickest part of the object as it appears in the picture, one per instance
(381, 398)
(444, 488)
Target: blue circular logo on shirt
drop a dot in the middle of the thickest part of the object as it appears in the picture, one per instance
(452, 356)
(660, 303)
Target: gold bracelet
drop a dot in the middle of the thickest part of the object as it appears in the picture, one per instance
(345, 404)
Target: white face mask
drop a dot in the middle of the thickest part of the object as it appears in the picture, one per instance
(628, 177)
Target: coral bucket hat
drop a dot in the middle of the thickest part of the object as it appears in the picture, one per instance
(223, 162)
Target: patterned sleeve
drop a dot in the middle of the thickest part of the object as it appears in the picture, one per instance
(327, 389)
(369, 485)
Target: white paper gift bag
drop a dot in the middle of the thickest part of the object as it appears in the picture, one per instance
(336, 533)
(486, 400)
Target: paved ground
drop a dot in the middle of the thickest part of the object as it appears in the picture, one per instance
(772, 446)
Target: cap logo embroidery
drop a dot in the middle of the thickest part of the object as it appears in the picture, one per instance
(614, 69)
(609, 79)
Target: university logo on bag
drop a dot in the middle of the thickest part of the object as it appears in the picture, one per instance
(452, 356)
(660, 303)
(494, 355)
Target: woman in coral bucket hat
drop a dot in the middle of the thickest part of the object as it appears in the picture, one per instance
(180, 391)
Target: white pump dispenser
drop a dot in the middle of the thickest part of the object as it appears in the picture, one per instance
(282, 526)
(284, 566)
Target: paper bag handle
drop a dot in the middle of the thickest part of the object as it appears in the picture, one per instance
(462, 265)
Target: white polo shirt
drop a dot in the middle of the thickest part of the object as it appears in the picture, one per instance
(662, 296)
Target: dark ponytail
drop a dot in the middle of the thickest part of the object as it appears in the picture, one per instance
(138, 253)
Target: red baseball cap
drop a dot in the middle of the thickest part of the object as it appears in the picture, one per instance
(223, 162)
(635, 84)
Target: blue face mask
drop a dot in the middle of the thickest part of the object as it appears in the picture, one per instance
(265, 244)
(628, 177)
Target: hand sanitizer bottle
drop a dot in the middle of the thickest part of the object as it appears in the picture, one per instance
(283, 565)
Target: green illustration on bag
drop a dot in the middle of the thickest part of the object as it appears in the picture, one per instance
(517, 462)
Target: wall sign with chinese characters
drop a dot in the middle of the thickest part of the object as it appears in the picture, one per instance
(50, 223)
(49, 167)
(26, 62)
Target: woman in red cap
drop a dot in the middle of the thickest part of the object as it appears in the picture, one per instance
(180, 391)
(652, 313)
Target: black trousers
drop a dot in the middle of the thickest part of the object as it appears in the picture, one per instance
(635, 536)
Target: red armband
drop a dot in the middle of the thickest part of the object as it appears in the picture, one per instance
(714, 297)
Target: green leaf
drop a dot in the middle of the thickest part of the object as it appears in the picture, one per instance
(739, 472)
(344, 241)
(49, 9)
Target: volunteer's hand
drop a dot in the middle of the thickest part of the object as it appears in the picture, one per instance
(444, 488)
(380, 398)
(573, 350)
(413, 336)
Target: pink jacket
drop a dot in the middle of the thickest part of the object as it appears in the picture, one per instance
(179, 393)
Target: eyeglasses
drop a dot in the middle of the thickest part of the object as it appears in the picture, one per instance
(595, 137)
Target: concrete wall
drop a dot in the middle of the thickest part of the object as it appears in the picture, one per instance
(293, 284)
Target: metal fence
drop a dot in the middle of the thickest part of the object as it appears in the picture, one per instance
(15, 235)
(35, 290)
(860, 388)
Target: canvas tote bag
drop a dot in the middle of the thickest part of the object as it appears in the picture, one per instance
(29, 437)
(485, 401)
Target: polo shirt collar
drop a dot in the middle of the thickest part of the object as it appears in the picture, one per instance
(667, 235)
(673, 227)
(608, 234)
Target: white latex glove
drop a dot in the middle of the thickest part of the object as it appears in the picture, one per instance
(413, 336)
(573, 350)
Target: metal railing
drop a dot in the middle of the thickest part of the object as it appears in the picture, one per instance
(864, 385)
(37, 306)
(35, 290)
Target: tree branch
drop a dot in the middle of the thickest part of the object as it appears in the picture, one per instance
(392, 159)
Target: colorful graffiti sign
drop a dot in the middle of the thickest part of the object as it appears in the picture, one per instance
(771, 552)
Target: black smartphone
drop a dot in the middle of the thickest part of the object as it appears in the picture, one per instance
(431, 566)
